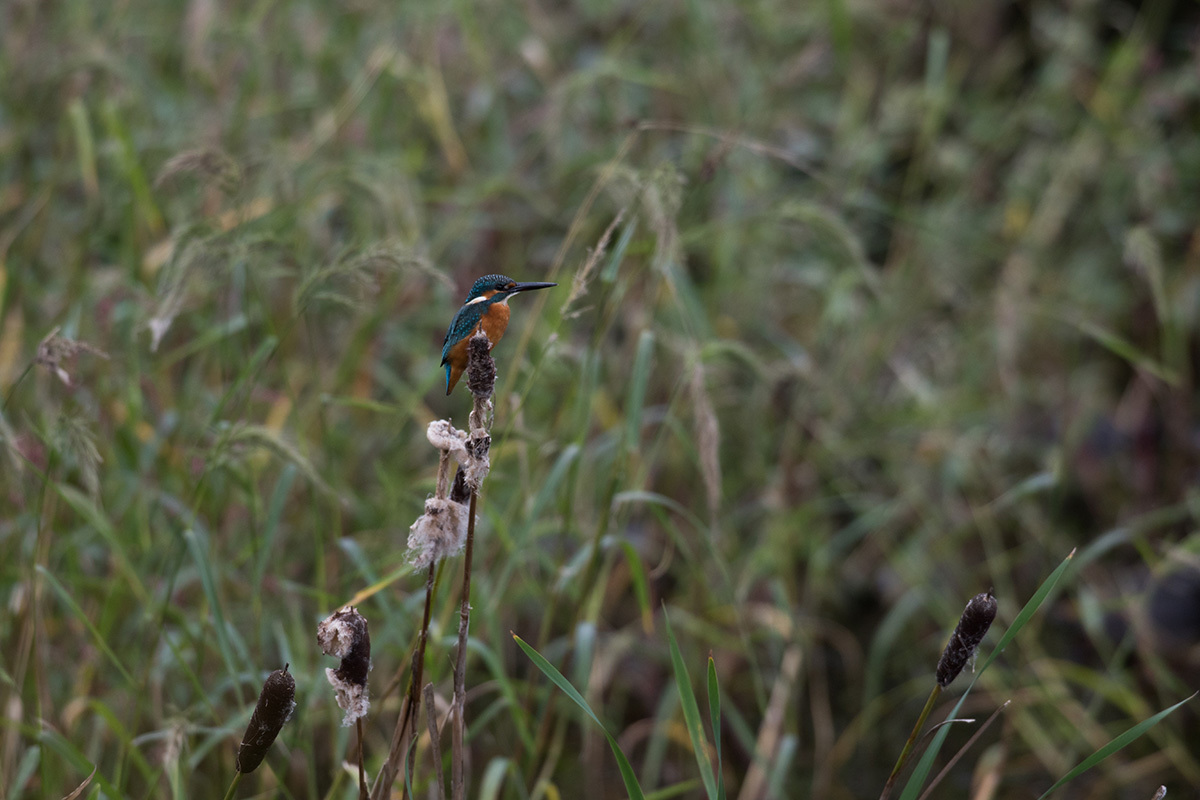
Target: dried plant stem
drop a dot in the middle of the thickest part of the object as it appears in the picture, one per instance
(406, 726)
(912, 740)
(458, 707)
(363, 794)
(434, 741)
(771, 731)
(443, 476)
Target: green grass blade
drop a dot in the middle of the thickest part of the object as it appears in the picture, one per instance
(121, 734)
(1116, 744)
(548, 669)
(1026, 614)
(639, 380)
(508, 690)
(54, 741)
(85, 146)
(264, 351)
(714, 707)
(493, 778)
(197, 544)
(921, 772)
(24, 771)
(550, 486)
(683, 789)
(85, 507)
(691, 713)
(1124, 349)
(126, 156)
(655, 499)
(270, 533)
(77, 611)
(641, 587)
(205, 339)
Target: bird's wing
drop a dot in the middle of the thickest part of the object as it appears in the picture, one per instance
(446, 341)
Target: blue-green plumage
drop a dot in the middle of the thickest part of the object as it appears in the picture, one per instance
(486, 309)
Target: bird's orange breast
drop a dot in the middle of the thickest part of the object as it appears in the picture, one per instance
(495, 322)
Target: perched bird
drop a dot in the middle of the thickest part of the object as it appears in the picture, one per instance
(486, 309)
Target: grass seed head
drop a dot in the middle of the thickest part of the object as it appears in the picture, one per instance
(208, 164)
(972, 627)
(275, 705)
(53, 350)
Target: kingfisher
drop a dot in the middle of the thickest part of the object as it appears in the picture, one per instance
(485, 309)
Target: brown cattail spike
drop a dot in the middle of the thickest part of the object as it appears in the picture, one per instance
(972, 626)
(481, 367)
(459, 493)
(275, 705)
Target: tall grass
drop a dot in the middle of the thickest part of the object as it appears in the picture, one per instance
(896, 306)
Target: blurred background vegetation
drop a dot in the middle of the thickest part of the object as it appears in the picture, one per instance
(902, 303)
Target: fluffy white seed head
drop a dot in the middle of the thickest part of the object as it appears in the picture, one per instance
(438, 533)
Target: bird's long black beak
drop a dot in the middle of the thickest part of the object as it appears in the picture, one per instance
(525, 287)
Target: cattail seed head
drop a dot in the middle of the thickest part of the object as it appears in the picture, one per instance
(438, 533)
(444, 436)
(459, 492)
(275, 705)
(972, 626)
(479, 463)
(345, 635)
(481, 367)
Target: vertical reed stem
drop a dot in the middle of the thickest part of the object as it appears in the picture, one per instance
(434, 742)
(406, 726)
(363, 794)
(458, 776)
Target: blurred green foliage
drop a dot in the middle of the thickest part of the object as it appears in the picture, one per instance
(902, 303)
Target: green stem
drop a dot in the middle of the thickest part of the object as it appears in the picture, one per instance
(237, 777)
(912, 740)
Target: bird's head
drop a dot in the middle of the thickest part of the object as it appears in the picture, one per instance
(500, 287)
